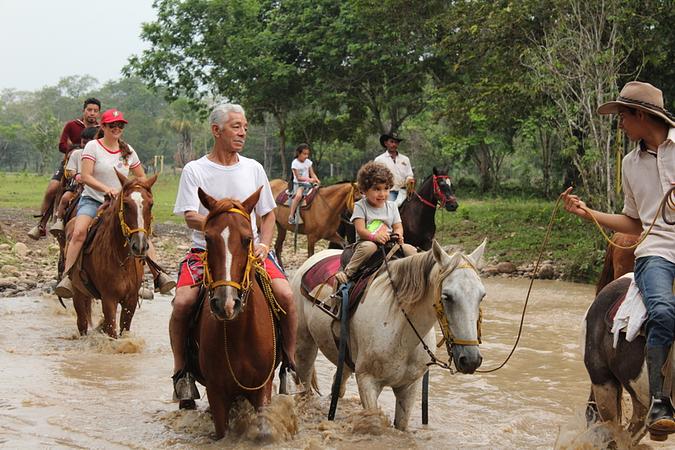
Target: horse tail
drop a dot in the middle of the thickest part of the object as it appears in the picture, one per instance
(607, 274)
(315, 383)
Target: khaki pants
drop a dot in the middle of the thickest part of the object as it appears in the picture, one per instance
(364, 250)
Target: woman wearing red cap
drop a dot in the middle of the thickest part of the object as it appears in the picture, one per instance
(99, 160)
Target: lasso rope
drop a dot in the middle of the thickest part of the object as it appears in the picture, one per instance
(667, 200)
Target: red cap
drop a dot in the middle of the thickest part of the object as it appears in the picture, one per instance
(112, 115)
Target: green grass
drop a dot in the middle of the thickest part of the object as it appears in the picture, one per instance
(515, 227)
(25, 191)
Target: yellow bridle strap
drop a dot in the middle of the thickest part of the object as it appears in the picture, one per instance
(126, 231)
(443, 320)
(245, 284)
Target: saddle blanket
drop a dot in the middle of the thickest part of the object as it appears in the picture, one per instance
(631, 314)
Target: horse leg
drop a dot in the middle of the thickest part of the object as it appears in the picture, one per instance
(369, 390)
(279, 243)
(608, 401)
(220, 410)
(127, 313)
(636, 426)
(306, 350)
(82, 305)
(109, 317)
(405, 400)
(311, 240)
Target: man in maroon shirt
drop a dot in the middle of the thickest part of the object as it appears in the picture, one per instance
(70, 139)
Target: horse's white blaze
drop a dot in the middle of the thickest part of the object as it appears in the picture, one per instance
(228, 260)
(138, 199)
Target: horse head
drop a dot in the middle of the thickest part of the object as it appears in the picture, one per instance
(461, 293)
(443, 189)
(134, 210)
(228, 269)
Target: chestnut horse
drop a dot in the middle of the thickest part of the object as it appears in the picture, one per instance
(320, 220)
(110, 267)
(238, 353)
(418, 211)
(618, 261)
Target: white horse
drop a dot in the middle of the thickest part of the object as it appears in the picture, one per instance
(382, 344)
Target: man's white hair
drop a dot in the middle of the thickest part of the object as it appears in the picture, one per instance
(221, 113)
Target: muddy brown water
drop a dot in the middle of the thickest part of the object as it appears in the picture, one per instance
(59, 390)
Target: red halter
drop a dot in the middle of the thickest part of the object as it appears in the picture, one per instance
(437, 193)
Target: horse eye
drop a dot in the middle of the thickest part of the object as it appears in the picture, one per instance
(245, 241)
(446, 298)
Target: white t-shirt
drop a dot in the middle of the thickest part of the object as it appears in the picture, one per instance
(105, 163)
(401, 168)
(302, 168)
(238, 182)
(74, 161)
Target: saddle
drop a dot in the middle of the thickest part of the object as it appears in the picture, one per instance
(319, 286)
(286, 197)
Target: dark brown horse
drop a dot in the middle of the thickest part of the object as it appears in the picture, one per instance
(111, 266)
(618, 261)
(614, 369)
(320, 220)
(235, 335)
(418, 211)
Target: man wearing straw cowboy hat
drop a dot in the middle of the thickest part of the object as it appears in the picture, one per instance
(398, 164)
(648, 173)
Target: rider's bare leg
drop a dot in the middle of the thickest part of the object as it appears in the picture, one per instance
(183, 303)
(289, 322)
(76, 240)
(296, 201)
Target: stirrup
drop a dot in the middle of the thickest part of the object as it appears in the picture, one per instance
(163, 284)
(184, 386)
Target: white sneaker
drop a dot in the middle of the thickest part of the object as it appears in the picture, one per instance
(65, 288)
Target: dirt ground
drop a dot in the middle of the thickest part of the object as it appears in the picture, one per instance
(28, 267)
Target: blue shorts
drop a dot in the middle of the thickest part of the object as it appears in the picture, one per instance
(88, 207)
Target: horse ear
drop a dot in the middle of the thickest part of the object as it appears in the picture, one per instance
(121, 177)
(250, 202)
(208, 201)
(434, 170)
(150, 181)
(440, 256)
(477, 255)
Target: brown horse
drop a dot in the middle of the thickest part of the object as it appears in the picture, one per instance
(111, 266)
(618, 261)
(321, 219)
(236, 352)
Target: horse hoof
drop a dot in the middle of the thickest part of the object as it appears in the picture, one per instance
(658, 436)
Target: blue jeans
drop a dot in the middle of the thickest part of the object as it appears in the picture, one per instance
(654, 276)
(392, 195)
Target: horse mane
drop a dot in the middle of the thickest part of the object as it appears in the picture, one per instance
(414, 274)
(412, 277)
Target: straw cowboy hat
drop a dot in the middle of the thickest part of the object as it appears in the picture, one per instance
(642, 96)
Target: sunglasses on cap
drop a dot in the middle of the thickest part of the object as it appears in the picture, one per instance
(119, 125)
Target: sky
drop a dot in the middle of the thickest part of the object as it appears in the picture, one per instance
(43, 41)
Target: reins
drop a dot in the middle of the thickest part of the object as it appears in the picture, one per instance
(244, 288)
(448, 337)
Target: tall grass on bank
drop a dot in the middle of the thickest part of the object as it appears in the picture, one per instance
(514, 226)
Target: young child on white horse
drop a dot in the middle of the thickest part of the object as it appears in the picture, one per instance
(375, 218)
